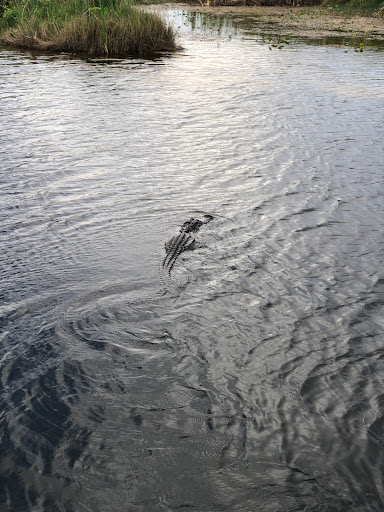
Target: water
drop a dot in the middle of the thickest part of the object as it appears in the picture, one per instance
(250, 378)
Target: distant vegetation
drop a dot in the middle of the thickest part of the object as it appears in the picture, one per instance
(93, 27)
(359, 5)
(355, 4)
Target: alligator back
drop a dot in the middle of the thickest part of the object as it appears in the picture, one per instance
(184, 241)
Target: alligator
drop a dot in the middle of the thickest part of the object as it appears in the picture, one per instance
(184, 241)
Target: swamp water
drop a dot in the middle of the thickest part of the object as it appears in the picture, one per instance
(251, 377)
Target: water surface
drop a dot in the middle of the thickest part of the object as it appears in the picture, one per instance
(251, 377)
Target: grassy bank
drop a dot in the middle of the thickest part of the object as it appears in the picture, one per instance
(94, 27)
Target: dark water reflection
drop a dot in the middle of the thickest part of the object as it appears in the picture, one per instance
(251, 378)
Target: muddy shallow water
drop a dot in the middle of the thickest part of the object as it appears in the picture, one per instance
(249, 376)
(309, 22)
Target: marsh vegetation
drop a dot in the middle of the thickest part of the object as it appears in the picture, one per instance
(348, 7)
(95, 27)
(358, 5)
(120, 28)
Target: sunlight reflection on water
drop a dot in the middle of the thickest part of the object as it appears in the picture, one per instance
(250, 378)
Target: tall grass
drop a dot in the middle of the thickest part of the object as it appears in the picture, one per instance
(95, 27)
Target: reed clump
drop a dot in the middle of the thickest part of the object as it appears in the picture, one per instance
(94, 27)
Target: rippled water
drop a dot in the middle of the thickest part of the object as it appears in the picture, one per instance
(249, 377)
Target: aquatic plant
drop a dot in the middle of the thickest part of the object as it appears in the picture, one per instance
(95, 27)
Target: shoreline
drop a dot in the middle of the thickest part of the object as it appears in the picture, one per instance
(308, 22)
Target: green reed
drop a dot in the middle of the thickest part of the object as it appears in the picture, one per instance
(97, 27)
(54, 10)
